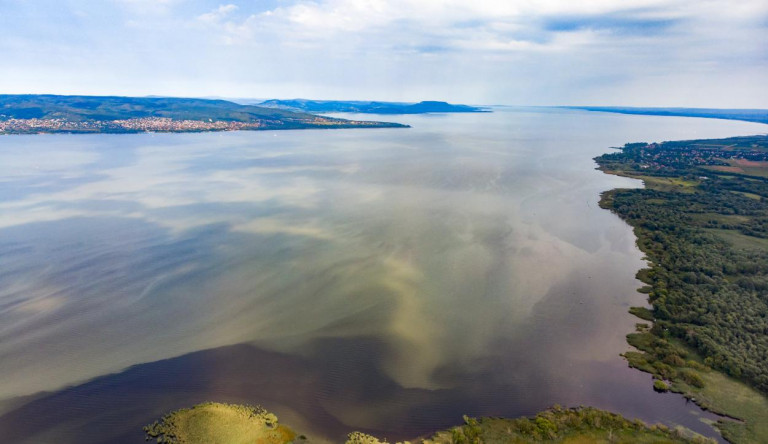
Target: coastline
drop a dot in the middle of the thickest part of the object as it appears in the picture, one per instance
(706, 385)
(232, 423)
(743, 115)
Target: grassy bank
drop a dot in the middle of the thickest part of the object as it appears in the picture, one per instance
(560, 425)
(219, 423)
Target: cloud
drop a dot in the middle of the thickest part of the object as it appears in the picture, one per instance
(218, 14)
(390, 50)
(450, 25)
(148, 7)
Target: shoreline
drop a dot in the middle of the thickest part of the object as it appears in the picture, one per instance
(221, 422)
(752, 115)
(644, 355)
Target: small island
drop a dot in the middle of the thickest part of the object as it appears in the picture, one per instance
(367, 107)
(236, 424)
(34, 114)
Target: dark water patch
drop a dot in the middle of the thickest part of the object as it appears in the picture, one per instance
(114, 408)
(338, 389)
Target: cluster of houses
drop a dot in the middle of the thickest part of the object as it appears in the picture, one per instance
(658, 156)
(145, 124)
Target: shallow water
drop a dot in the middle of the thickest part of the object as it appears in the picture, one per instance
(388, 280)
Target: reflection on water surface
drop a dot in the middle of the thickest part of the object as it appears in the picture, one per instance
(386, 280)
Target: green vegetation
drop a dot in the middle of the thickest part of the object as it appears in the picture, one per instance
(556, 425)
(224, 424)
(77, 108)
(642, 312)
(362, 438)
(219, 423)
(707, 238)
(561, 425)
(680, 369)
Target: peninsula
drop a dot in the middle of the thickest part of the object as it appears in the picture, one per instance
(747, 115)
(32, 114)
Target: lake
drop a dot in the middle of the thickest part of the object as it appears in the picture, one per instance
(383, 280)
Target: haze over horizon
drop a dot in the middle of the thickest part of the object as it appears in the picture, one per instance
(631, 53)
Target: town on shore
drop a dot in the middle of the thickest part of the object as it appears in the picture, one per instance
(33, 114)
(159, 124)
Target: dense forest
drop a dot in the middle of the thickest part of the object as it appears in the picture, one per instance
(76, 108)
(702, 221)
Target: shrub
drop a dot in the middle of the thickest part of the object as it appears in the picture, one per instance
(660, 386)
(691, 378)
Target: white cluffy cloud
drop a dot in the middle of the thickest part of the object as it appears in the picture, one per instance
(148, 6)
(218, 14)
(630, 52)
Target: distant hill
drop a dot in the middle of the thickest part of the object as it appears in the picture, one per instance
(98, 114)
(329, 106)
(749, 115)
(76, 108)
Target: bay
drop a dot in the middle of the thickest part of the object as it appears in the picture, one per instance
(385, 280)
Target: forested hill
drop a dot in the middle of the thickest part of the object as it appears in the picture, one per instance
(702, 221)
(326, 106)
(52, 113)
(749, 115)
(76, 108)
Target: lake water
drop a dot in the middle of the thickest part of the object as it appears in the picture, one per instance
(385, 280)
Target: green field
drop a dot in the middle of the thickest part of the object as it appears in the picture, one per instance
(741, 241)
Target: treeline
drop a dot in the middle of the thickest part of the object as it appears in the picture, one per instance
(706, 289)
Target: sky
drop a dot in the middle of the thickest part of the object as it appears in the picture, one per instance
(698, 53)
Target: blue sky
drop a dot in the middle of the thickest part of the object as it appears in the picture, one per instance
(622, 52)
